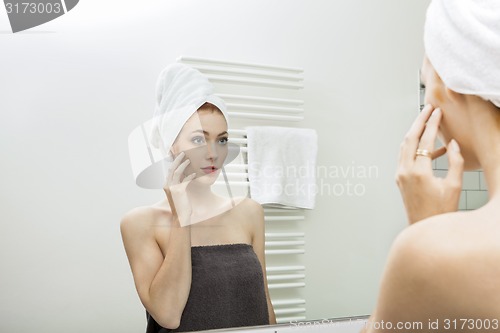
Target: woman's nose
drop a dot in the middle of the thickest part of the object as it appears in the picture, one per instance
(211, 151)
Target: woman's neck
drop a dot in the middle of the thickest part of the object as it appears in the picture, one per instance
(485, 130)
(205, 203)
(490, 163)
(199, 193)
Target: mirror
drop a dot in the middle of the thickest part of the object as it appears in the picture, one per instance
(74, 88)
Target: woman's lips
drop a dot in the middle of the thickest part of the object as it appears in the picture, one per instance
(209, 169)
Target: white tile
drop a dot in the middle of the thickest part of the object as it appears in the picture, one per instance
(482, 181)
(470, 181)
(442, 162)
(462, 203)
(440, 173)
(476, 199)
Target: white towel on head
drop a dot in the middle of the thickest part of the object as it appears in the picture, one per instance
(462, 42)
(180, 91)
(281, 165)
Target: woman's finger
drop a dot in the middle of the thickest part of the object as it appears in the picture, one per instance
(428, 138)
(410, 144)
(189, 178)
(175, 164)
(178, 159)
(179, 172)
(429, 135)
(456, 166)
(439, 152)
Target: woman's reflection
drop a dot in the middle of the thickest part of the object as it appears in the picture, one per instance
(197, 258)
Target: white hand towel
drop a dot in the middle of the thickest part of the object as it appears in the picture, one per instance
(281, 165)
(462, 42)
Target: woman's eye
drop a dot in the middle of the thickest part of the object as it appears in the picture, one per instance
(198, 140)
(223, 141)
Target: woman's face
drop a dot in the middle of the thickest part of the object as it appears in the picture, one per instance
(455, 118)
(204, 140)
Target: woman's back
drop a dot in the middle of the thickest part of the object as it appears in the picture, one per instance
(445, 269)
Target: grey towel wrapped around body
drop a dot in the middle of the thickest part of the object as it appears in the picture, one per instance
(227, 290)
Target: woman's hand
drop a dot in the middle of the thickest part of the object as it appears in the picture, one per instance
(425, 195)
(175, 189)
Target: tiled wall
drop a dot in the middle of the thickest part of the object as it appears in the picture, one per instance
(474, 192)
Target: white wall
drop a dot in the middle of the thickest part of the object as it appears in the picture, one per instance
(73, 89)
(361, 65)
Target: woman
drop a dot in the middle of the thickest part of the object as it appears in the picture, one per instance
(443, 270)
(197, 258)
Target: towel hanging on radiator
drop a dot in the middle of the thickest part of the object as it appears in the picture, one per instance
(282, 164)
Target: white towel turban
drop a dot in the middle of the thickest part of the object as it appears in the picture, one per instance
(462, 42)
(180, 91)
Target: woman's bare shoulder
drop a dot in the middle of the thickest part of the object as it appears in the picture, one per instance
(447, 259)
(250, 205)
(452, 232)
(144, 217)
(250, 210)
(249, 213)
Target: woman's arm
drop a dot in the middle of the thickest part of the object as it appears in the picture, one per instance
(163, 280)
(163, 283)
(258, 244)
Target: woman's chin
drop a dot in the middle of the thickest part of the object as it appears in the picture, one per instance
(207, 178)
